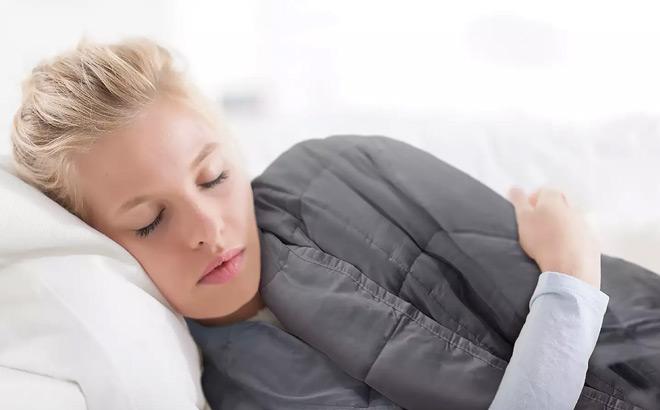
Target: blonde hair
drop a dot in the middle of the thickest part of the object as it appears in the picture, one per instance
(75, 98)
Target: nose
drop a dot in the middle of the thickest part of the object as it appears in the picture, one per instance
(204, 228)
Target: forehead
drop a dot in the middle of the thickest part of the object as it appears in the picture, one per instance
(175, 134)
(155, 150)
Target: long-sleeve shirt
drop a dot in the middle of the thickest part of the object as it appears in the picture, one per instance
(549, 362)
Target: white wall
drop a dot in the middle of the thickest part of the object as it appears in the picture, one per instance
(564, 61)
(567, 60)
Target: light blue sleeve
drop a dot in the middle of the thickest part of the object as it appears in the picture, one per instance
(549, 362)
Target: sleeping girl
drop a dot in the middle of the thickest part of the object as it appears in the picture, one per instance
(356, 272)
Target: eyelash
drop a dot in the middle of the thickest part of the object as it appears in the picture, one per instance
(144, 232)
(219, 180)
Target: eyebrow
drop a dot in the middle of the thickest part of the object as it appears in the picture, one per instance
(205, 152)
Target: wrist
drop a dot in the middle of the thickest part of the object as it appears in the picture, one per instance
(586, 270)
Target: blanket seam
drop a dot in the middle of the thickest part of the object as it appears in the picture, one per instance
(412, 319)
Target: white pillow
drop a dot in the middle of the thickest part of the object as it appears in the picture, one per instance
(18, 388)
(77, 307)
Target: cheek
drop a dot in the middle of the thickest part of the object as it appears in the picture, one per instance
(241, 200)
(160, 264)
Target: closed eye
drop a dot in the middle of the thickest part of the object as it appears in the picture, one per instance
(220, 179)
(144, 232)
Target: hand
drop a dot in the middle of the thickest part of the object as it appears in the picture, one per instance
(555, 234)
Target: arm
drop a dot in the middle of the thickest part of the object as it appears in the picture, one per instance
(550, 357)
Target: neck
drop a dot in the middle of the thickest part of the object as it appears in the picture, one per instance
(243, 313)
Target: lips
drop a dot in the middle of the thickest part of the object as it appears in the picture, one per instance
(223, 266)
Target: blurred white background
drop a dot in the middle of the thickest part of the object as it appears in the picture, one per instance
(524, 92)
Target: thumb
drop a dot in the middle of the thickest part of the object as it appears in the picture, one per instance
(519, 200)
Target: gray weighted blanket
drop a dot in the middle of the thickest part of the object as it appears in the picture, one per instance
(402, 284)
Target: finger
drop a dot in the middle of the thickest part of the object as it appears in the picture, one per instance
(519, 200)
(551, 195)
(533, 199)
